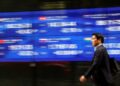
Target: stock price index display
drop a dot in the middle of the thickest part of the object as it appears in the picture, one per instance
(57, 35)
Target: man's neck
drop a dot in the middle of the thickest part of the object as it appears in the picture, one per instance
(97, 46)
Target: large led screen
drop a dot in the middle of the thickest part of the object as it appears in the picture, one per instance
(57, 35)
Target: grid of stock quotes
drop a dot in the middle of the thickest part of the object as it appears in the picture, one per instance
(57, 35)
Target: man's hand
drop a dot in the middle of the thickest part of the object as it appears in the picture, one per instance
(83, 79)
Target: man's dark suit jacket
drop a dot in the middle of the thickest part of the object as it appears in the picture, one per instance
(100, 69)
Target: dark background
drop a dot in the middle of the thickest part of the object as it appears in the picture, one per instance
(32, 5)
(47, 73)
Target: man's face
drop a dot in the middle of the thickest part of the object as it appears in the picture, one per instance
(95, 41)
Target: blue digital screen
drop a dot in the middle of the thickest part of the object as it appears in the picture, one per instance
(57, 35)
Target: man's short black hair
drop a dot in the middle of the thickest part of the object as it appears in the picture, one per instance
(99, 36)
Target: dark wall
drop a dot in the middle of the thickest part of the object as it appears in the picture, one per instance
(44, 74)
(15, 74)
(31, 5)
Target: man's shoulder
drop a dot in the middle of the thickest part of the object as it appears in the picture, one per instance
(101, 48)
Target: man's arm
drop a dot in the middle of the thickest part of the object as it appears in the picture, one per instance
(99, 54)
(96, 65)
